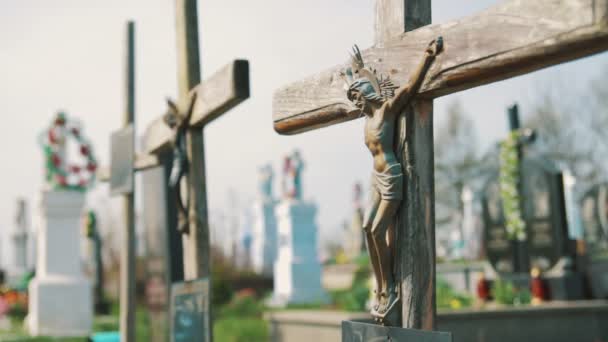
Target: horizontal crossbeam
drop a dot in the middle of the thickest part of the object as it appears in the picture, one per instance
(142, 162)
(507, 40)
(214, 96)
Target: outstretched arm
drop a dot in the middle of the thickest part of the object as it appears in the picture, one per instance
(405, 92)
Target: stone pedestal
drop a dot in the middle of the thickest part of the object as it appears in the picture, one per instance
(60, 297)
(264, 237)
(297, 271)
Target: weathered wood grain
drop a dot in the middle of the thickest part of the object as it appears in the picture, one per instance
(145, 161)
(196, 243)
(415, 220)
(507, 40)
(127, 253)
(216, 95)
(142, 162)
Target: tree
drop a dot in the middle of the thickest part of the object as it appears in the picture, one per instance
(573, 130)
(456, 164)
(456, 156)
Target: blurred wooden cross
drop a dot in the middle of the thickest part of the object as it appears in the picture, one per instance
(510, 39)
(201, 103)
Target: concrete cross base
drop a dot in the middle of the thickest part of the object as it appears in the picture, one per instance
(359, 332)
(60, 306)
(61, 298)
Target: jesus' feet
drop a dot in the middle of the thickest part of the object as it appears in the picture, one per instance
(388, 300)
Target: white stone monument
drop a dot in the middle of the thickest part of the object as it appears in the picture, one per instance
(60, 297)
(264, 228)
(355, 240)
(297, 271)
(20, 239)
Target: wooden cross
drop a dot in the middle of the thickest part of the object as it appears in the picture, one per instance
(213, 97)
(203, 102)
(510, 39)
(199, 104)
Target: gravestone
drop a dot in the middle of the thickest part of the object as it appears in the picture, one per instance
(355, 242)
(497, 246)
(297, 271)
(60, 297)
(163, 243)
(471, 223)
(548, 245)
(190, 311)
(20, 239)
(353, 331)
(594, 212)
(545, 214)
(264, 229)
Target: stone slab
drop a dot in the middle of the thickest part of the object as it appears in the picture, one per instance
(362, 332)
(581, 321)
(60, 307)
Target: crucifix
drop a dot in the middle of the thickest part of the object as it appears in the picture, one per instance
(507, 40)
(181, 129)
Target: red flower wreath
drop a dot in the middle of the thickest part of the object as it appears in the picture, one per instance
(59, 173)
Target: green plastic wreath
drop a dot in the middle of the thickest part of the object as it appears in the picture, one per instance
(509, 193)
(60, 174)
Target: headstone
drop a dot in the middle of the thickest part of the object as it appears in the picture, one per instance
(594, 207)
(244, 242)
(355, 244)
(60, 297)
(190, 319)
(545, 214)
(496, 243)
(594, 212)
(353, 331)
(548, 245)
(297, 271)
(471, 223)
(264, 228)
(163, 262)
(20, 238)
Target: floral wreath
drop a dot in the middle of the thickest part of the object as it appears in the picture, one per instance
(509, 193)
(60, 174)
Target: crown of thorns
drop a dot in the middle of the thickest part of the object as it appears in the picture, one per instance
(364, 80)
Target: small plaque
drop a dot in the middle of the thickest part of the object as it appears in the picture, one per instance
(121, 161)
(190, 319)
(364, 332)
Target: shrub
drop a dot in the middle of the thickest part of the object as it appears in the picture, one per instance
(448, 298)
(505, 292)
(240, 330)
(243, 305)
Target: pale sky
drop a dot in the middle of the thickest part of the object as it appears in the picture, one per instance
(68, 54)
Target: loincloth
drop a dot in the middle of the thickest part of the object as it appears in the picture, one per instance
(389, 183)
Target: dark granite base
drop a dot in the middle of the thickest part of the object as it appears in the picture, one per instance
(584, 321)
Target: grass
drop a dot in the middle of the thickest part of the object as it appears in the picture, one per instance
(237, 329)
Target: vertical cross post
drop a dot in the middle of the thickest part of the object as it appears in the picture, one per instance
(196, 242)
(415, 222)
(127, 256)
(520, 255)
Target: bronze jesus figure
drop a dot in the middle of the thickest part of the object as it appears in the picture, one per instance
(381, 102)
